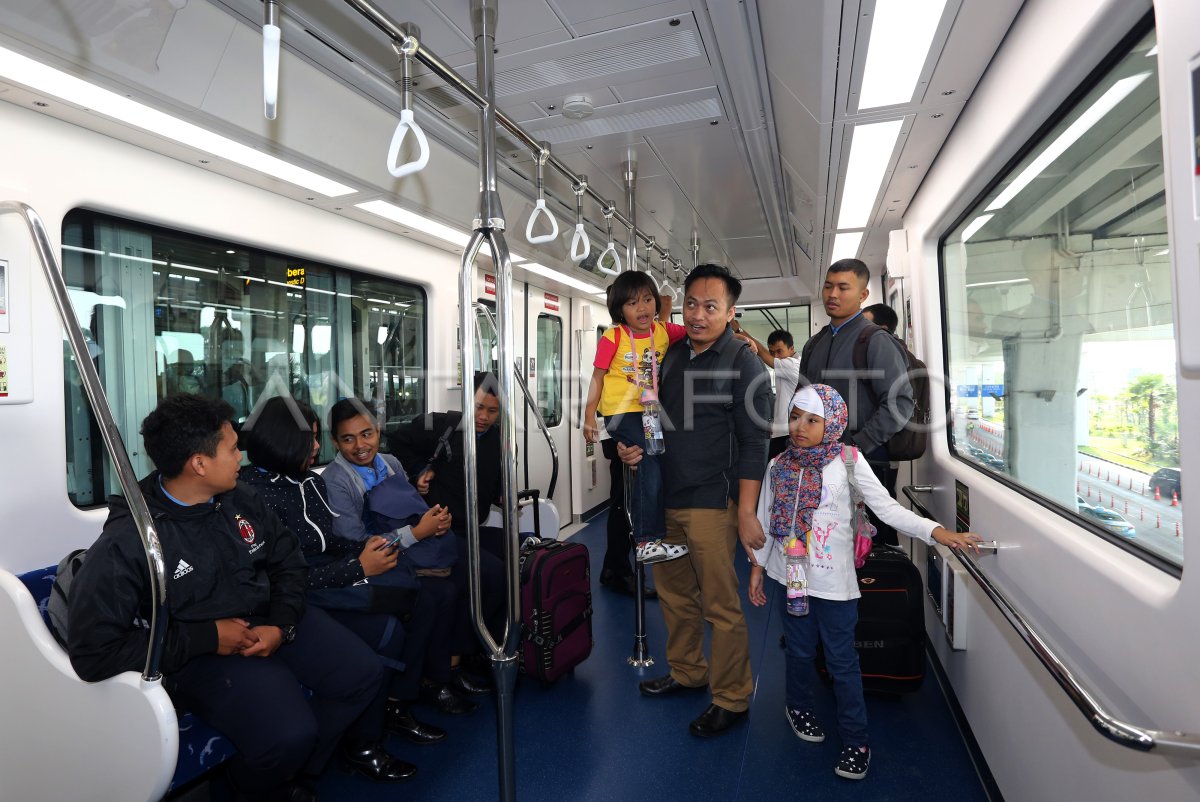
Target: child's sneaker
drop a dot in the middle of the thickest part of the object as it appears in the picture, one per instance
(656, 551)
(805, 725)
(651, 551)
(853, 762)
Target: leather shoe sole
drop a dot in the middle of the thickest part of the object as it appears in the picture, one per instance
(665, 686)
(714, 721)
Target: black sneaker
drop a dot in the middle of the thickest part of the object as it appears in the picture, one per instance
(853, 762)
(805, 725)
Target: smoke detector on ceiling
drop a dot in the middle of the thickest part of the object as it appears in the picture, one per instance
(577, 107)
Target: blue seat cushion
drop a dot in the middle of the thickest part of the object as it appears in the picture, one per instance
(201, 748)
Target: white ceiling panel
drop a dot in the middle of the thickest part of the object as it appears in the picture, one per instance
(803, 140)
(800, 40)
(664, 84)
(588, 16)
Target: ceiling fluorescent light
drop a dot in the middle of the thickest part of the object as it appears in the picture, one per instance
(562, 278)
(1163, 252)
(390, 211)
(764, 306)
(976, 224)
(870, 151)
(1118, 92)
(901, 34)
(45, 79)
(845, 245)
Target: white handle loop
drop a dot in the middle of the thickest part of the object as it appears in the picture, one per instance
(407, 123)
(271, 37)
(581, 237)
(540, 208)
(616, 260)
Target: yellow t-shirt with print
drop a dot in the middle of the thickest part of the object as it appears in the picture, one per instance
(629, 370)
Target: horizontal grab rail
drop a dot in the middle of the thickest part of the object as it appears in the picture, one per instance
(1127, 735)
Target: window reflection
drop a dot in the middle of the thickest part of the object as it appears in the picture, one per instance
(1058, 303)
(167, 312)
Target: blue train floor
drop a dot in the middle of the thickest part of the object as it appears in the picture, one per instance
(591, 736)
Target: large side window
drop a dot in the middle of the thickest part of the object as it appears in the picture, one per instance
(1060, 339)
(170, 312)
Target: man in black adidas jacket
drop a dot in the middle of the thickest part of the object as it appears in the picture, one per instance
(239, 641)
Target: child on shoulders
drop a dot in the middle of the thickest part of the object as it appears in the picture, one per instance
(806, 504)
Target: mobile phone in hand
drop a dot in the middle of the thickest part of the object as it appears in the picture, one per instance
(393, 542)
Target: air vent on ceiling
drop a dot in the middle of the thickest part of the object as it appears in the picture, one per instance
(570, 131)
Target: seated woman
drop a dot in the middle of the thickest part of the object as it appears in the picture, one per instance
(358, 469)
(281, 442)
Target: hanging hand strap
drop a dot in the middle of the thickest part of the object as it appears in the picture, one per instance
(581, 236)
(405, 49)
(543, 155)
(609, 211)
(271, 38)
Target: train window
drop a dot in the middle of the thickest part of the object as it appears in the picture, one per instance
(549, 368)
(165, 312)
(1058, 311)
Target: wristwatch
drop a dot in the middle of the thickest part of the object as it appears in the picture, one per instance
(289, 633)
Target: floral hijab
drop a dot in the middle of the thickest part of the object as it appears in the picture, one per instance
(797, 491)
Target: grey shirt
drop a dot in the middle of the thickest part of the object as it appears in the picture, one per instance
(831, 362)
(346, 490)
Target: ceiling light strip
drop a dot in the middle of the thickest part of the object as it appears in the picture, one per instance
(901, 34)
(45, 79)
(871, 150)
(845, 245)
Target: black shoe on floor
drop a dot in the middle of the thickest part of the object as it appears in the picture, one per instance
(375, 762)
(470, 684)
(401, 721)
(295, 791)
(714, 721)
(627, 586)
(664, 686)
(446, 700)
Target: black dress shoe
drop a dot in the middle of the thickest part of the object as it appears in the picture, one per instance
(469, 684)
(663, 686)
(373, 761)
(627, 586)
(295, 791)
(401, 721)
(714, 721)
(443, 697)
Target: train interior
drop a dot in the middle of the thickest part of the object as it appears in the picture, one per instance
(1022, 179)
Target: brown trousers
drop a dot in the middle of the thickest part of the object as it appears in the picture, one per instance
(702, 586)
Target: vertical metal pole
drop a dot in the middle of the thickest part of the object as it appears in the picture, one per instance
(641, 652)
(489, 225)
(629, 171)
(695, 249)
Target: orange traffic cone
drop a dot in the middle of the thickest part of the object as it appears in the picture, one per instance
(1157, 495)
(1174, 498)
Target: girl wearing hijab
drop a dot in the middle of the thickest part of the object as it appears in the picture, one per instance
(806, 496)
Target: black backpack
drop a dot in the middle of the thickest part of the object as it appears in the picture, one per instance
(909, 443)
(60, 594)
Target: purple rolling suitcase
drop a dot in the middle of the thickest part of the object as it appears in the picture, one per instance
(556, 608)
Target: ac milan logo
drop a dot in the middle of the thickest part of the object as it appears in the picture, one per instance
(245, 529)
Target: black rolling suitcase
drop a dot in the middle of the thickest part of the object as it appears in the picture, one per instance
(890, 636)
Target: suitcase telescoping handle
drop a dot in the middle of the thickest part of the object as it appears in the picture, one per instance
(532, 494)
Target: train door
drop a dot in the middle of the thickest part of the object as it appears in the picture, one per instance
(590, 470)
(545, 355)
